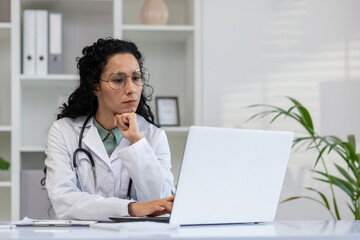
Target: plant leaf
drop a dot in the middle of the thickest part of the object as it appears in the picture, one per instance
(306, 197)
(354, 170)
(278, 115)
(268, 112)
(347, 176)
(321, 195)
(304, 114)
(350, 151)
(4, 165)
(351, 141)
(336, 209)
(320, 155)
(343, 185)
(351, 209)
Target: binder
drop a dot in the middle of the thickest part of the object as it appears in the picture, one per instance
(55, 43)
(41, 61)
(29, 46)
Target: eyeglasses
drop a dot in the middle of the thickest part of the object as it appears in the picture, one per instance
(117, 80)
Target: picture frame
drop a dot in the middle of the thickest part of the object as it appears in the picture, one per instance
(167, 111)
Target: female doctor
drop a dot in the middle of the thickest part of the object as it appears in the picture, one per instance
(105, 157)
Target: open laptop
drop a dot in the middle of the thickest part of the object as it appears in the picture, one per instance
(228, 176)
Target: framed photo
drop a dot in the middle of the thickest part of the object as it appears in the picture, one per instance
(167, 110)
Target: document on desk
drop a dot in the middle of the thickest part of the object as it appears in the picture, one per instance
(136, 226)
(51, 223)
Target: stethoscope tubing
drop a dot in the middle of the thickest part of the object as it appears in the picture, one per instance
(90, 159)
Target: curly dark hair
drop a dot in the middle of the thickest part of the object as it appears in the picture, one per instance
(83, 101)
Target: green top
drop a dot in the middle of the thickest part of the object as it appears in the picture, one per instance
(110, 139)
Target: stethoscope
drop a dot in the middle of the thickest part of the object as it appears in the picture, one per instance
(91, 161)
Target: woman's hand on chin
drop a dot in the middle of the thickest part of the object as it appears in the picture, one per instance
(128, 126)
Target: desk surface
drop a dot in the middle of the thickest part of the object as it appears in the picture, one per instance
(274, 230)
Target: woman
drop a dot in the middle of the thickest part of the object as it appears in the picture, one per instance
(130, 153)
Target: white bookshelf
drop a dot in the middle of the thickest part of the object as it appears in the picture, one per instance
(170, 53)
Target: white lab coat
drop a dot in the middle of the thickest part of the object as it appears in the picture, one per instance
(147, 162)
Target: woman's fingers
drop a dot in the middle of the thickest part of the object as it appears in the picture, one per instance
(164, 209)
(121, 123)
(128, 126)
(168, 206)
(171, 198)
(152, 208)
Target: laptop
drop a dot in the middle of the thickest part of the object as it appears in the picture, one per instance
(228, 176)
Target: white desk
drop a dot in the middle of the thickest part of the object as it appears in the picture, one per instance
(276, 230)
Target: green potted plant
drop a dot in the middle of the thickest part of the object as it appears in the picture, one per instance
(349, 180)
(4, 165)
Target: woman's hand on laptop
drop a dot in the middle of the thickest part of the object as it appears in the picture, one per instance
(151, 208)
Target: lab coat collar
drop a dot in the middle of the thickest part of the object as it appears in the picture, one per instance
(79, 122)
(92, 139)
(143, 126)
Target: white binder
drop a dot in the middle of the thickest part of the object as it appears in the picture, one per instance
(41, 61)
(29, 45)
(55, 43)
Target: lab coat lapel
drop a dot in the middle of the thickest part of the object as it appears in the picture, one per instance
(123, 143)
(93, 142)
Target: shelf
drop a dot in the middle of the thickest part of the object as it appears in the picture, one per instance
(5, 31)
(5, 184)
(5, 25)
(48, 80)
(73, 6)
(158, 33)
(30, 149)
(170, 28)
(5, 128)
(176, 129)
(50, 77)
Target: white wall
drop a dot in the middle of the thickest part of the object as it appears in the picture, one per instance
(261, 50)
